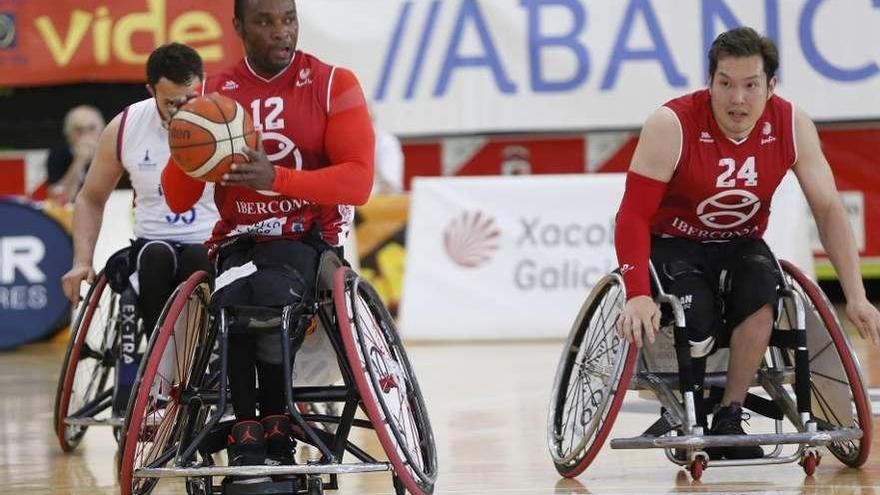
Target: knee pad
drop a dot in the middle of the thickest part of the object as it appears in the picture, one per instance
(686, 281)
(157, 255)
(753, 285)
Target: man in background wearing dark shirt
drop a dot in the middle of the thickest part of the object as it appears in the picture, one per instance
(67, 164)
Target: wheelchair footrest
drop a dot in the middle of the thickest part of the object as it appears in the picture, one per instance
(701, 442)
(194, 472)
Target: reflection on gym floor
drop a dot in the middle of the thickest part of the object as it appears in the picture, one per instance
(488, 405)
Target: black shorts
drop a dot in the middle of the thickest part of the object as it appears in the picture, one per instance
(265, 274)
(122, 266)
(719, 284)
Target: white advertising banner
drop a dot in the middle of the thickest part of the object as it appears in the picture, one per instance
(471, 66)
(515, 257)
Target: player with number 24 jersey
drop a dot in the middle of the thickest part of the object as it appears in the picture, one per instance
(721, 188)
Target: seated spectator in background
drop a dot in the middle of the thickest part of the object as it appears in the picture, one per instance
(67, 164)
(388, 178)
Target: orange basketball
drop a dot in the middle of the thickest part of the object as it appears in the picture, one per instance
(207, 136)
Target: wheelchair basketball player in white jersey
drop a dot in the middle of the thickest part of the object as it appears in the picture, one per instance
(168, 247)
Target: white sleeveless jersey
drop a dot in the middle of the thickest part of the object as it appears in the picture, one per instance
(142, 148)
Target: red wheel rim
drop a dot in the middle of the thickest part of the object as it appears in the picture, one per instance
(142, 407)
(72, 360)
(843, 351)
(369, 400)
(614, 408)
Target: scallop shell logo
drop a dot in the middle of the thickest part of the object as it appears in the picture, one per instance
(471, 238)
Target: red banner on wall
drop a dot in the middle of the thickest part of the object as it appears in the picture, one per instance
(46, 42)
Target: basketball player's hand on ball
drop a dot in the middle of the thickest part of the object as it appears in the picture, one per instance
(866, 318)
(257, 173)
(641, 314)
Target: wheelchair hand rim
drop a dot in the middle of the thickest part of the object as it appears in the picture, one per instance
(346, 295)
(72, 361)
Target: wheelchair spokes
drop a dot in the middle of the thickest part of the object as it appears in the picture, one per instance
(839, 397)
(391, 381)
(591, 380)
(811, 375)
(593, 367)
(386, 381)
(83, 384)
(153, 421)
(181, 384)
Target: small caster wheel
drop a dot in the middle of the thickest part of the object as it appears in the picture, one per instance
(809, 463)
(697, 467)
(198, 486)
(315, 485)
(399, 489)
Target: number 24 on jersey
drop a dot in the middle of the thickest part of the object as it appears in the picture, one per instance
(731, 174)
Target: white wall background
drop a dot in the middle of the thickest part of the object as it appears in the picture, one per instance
(470, 66)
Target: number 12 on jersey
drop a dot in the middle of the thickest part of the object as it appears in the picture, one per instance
(274, 106)
(746, 172)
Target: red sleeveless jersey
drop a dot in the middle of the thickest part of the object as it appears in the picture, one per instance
(722, 189)
(291, 111)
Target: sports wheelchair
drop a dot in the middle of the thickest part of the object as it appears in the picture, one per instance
(177, 418)
(105, 344)
(809, 377)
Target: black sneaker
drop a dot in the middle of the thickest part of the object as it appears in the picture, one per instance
(279, 440)
(246, 446)
(727, 420)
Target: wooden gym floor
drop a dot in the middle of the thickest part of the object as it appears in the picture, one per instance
(488, 405)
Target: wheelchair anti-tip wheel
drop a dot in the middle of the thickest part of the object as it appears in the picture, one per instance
(385, 379)
(153, 421)
(83, 386)
(591, 380)
(837, 388)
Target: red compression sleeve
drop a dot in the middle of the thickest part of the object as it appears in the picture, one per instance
(181, 191)
(349, 144)
(632, 232)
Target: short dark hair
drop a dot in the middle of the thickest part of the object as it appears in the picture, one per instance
(744, 42)
(174, 61)
(238, 9)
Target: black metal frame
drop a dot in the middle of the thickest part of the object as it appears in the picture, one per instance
(200, 433)
(779, 339)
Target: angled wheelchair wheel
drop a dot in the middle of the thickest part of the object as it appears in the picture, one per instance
(385, 379)
(152, 425)
(837, 387)
(83, 389)
(591, 380)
